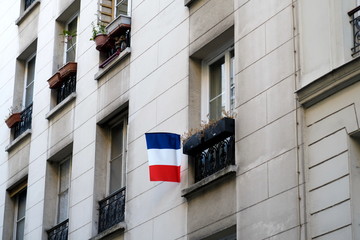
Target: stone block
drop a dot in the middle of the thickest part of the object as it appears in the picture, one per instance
(283, 173)
(152, 203)
(81, 233)
(173, 42)
(279, 29)
(252, 46)
(137, 126)
(143, 14)
(173, 100)
(329, 195)
(34, 216)
(137, 154)
(83, 161)
(327, 147)
(335, 121)
(292, 234)
(251, 116)
(137, 185)
(85, 110)
(83, 137)
(341, 234)
(254, 13)
(80, 214)
(330, 219)
(329, 171)
(208, 16)
(270, 217)
(171, 225)
(281, 99)
(35, 234)
(269, 142)
(82, 187)
(275, 66)
(141, 231)
(252, 187)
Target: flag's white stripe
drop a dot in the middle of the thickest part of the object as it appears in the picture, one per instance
(164, 157)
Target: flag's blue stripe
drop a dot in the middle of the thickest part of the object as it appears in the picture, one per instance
(162, 140)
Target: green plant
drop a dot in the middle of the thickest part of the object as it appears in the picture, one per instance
(69, 37)
(97, 29)
(13, 110)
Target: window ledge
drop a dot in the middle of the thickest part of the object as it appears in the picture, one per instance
(113, 63)
(330, 83)
(188, 2)
(208, 181)
(60, 106)
(27, 12)
(116, 228)
(19, 139)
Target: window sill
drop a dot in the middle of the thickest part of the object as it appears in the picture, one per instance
(19, 139)
(60, 106)
(114, 229)
(329, 84)
(113, 63)
(208, 181)
(187, 3)
(27, 12)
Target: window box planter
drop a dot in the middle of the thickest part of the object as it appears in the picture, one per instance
(13, 119)
(102, 42)
(206, 138)
(56, 80)
(68, 69)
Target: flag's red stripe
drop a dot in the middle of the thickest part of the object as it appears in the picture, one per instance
(164, 173)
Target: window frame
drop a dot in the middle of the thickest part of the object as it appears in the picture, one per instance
(118, 2)
(26, 85)
(67, 158)
(121, 119)
(205, 82)
(70, 20)
(16, 213)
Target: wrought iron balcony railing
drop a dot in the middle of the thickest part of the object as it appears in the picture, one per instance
(112, 210)
(67, 87)
(28, 3)
(59, 232)
(215, 158)
(25, 123)
(355, 21)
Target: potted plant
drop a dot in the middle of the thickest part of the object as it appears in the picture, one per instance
(54, 81)
(99, 35)
(14, 116)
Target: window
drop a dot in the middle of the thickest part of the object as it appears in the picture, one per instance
(117, 159)
(112, 207)
(27, 3)
(219, 88)
(63, 191)
(112, 9)
(29, 81)
(70, 42)
(20, 199)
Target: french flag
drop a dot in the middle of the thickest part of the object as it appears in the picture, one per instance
(164, 156)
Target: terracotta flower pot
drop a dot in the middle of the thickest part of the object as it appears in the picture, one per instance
(101, 41)
(67, 69)
(55, 81)
(12, 119)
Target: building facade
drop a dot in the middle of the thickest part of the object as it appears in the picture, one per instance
(265, 94)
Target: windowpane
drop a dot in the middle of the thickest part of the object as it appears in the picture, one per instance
(232, 82)
(64, 175)
(121, 8)
(20, 226)
(71, 41)
(116, 174)
(21, 204)
(30, 82)
(63, 206)
(117, 140)
(216, 89)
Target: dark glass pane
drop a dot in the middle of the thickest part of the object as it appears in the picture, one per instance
(116, 174)
(117, 140)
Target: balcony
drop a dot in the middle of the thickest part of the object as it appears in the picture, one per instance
(59, 232)
(116, 41)
(112, 210)
(24, 123)
(66, 88)
(355, 22)
(212, 149)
